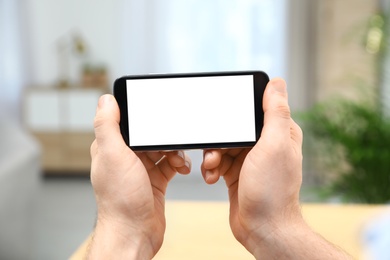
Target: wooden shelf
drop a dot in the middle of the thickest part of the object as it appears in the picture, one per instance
(67, 152)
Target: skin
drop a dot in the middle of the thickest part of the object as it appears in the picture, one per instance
(263, 185)
(129, 190)
(263, 182)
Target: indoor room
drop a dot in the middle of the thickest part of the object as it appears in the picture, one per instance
(57, 58)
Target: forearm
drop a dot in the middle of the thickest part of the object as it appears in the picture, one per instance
(110, 242)
(297, 242)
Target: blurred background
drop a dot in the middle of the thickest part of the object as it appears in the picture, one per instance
(58, 57)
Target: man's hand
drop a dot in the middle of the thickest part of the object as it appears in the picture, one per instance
(264, 185)
(129, 190)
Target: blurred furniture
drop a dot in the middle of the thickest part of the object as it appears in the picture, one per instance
(200, 230)
(62, 121)
(19, 181)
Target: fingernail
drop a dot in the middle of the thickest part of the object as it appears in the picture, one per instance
(181, 155)
(208, 155)
(104, 101)
(279, 85)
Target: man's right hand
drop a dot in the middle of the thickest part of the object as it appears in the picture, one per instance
(264, 185)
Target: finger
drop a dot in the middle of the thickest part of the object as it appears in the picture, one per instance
(155, 157)
(166, 169)
(149, 159)
(211, 176)
(169, 162)
(277, 119)
(160, 175)
(180, 161)
(186, 168)
(106, 123)
(235, 152)
(163, 171)
(176, 159)
(159, 170)
(209, 166)
(232, 174)
(229, 167)
(217, 162)
(212, 158)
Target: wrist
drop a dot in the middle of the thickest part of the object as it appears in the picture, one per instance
(295, 240)
(273, 229)
(116, 241)
(274, 238)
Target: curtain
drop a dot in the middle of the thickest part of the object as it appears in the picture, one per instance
(183, 36)
(12, 63)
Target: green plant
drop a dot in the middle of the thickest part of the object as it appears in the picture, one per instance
(353, 137)
(357, 140)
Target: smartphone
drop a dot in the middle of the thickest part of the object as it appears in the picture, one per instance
(191, 110)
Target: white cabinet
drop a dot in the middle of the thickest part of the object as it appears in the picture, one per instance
(80, 110)
(52, 110)
(42, 111)
(62, 121)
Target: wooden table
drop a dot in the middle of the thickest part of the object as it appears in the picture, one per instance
(200, 230)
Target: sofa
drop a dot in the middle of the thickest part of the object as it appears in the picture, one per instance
(19, 181)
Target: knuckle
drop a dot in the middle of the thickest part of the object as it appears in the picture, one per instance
(283, 111)
(98, 121)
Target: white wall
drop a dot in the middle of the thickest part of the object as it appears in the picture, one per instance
(97, 21)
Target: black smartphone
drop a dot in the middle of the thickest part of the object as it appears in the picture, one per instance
(191, 110)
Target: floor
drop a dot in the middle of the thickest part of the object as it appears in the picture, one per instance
(63, 216)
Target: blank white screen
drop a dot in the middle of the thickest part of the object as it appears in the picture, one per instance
(191, 110)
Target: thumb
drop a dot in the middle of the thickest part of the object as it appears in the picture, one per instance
(106, 123)
(277, 116)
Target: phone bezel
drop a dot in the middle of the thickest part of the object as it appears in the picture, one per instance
(260, 81)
